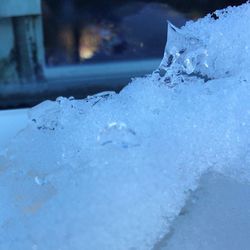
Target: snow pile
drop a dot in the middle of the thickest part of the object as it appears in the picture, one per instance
(114, 170)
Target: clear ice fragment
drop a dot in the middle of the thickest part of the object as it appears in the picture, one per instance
(184, 55)
(94, 99)
(119, 134)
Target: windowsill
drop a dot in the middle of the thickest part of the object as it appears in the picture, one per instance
(76, 80)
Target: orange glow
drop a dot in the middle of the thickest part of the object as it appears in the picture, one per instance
(90, 42)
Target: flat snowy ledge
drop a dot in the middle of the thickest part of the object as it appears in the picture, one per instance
(216, 217)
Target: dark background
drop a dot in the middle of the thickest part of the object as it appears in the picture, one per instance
(94, 33)
(78, 31)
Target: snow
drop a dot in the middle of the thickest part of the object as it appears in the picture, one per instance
(11, 122)
(113, 171)
(216, 217)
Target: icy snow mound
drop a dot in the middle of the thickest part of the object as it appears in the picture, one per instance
(114, 170)
(208, 48)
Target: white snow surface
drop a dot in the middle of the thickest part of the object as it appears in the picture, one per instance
(11, 122)
(112, 171)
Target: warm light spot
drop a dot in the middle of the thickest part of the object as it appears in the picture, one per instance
(86, 53)
(90, 42)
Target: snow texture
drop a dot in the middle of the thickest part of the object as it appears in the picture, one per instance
(11, 122)
(216, 217)
(113, 171)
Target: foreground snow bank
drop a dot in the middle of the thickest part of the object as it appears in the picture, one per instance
(114, 170)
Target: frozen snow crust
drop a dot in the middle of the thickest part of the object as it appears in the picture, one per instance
(112, 172)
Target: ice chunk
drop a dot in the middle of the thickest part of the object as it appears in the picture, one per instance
(185, 55)
(118, 133)
(94, 99)
(183, 52)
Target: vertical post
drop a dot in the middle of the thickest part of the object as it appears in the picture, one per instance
(27, 49)
(27, 45)
(8, 72)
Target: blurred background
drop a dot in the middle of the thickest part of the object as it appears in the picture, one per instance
(51, 48)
